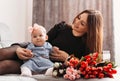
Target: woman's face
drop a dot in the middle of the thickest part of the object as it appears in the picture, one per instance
(80, 24)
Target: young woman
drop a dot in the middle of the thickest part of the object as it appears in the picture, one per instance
(84, 36)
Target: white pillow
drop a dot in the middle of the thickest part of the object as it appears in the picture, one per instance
(5, 36)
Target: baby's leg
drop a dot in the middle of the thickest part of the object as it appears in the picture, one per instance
(25, 71)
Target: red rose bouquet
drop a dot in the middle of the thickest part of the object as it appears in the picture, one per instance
(87, 67)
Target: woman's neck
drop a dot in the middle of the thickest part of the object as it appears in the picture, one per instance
(77, 34)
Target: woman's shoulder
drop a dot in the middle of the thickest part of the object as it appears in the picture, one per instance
(21, 44)
(54, 31)
(61, 26)
(61, 23)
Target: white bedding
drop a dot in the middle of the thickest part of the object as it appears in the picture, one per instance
(41, 77)
(49, 78)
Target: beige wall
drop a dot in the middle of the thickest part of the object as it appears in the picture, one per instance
(16, 14)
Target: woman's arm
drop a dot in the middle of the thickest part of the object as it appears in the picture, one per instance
(21, 51)
(58, 55)
(23, 44)
(24, 54)
(52, 34)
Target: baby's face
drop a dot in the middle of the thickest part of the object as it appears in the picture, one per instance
(38, 38)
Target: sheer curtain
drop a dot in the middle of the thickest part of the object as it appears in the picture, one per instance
(116, 15)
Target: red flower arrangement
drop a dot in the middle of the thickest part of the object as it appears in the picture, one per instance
(87, 67)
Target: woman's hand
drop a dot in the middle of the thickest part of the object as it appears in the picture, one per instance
(24, 54)
(58, 55)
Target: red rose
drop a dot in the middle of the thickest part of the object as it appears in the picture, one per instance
(84, 64)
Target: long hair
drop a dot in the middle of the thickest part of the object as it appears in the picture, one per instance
(94, 35)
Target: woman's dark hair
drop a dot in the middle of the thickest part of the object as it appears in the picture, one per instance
(94, 37)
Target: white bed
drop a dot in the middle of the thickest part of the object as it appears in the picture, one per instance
(6, 41)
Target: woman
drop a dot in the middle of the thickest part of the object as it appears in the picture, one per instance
(84, 36)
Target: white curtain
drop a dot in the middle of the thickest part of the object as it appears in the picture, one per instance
(116, 15)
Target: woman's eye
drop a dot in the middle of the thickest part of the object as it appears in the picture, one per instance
(79, 17)
(83, 24)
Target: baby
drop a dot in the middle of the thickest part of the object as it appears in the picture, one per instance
(40, 49)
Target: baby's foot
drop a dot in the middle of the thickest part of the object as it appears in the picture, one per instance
(49, 72)
(26, 72)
